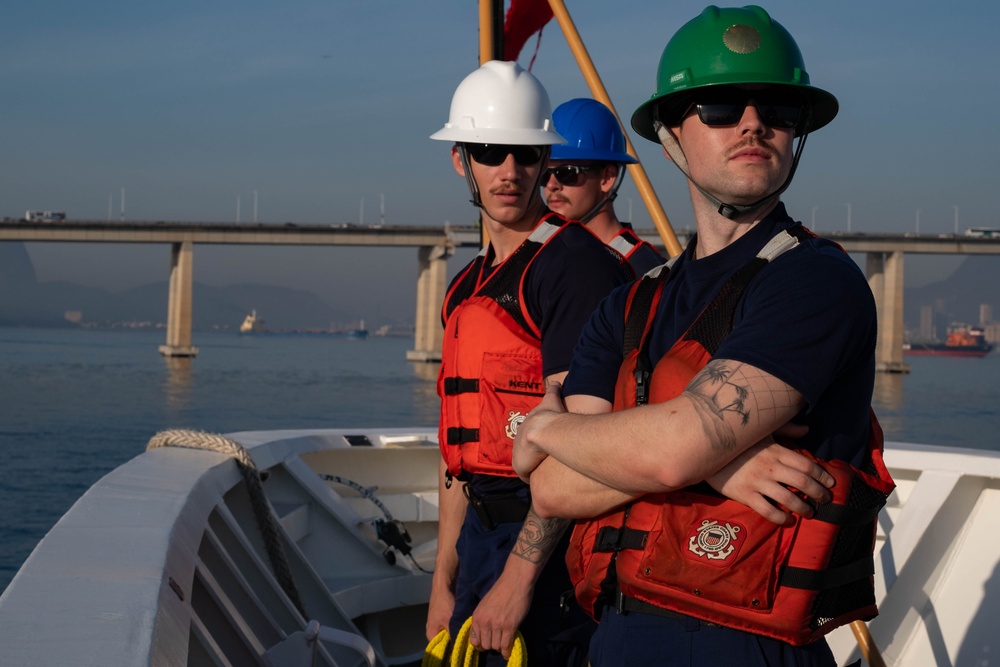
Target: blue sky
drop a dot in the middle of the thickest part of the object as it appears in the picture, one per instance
(320, 105)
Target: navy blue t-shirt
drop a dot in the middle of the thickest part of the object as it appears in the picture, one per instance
(808, 318)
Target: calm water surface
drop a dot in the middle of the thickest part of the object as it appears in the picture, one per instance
(75, 404)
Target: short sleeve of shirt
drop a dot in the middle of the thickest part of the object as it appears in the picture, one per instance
(565, 283)
(598, 354)
(809, 319)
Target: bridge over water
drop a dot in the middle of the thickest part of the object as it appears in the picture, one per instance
(884, 264)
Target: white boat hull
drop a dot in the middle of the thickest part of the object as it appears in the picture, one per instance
(162, 563)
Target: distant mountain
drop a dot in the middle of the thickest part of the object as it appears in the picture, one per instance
(15, 266)
(957, 298)
(26, 302)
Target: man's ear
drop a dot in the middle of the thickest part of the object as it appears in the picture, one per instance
(609, 174)
(456, 160)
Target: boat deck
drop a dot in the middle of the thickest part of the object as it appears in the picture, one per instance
(162, 561)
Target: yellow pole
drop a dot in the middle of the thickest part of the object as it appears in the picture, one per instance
(869, 651)
(485, 31)
(486, 53)
(597, 89)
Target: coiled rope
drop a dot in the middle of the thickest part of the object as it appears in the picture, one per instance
(463, 653)
(266, 521)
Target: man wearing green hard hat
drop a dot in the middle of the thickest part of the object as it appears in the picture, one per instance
(700, 540)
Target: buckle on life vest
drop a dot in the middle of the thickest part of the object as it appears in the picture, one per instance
(457, 435)
(641, 386)
(610, 538)
(459, 385)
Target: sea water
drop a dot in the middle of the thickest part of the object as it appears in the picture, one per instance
(74, 404)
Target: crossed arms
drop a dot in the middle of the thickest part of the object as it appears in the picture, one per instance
(583, 462)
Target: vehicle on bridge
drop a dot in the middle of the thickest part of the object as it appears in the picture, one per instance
(983, 232)
(45, 216)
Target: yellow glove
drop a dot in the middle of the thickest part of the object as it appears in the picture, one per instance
(463, 654)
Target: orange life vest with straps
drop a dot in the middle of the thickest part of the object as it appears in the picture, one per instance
(698, 553)
(491, 361)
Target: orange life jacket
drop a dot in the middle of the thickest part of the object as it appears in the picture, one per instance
(491, 361)
(697, 553)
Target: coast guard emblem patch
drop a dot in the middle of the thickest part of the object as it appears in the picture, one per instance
(514, 420)
(713, 540)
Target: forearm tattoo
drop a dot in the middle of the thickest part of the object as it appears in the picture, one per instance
(728, 387)
(538, 537)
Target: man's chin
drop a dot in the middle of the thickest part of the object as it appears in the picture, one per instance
(562, 208)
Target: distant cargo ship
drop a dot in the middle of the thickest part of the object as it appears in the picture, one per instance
(252, 325)
(968, 343)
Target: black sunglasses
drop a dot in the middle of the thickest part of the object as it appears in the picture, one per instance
(567, 174)
(494, 155)
(777, 108)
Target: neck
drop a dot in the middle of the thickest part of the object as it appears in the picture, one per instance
(605, 224)
(715, 231)
(506, 237)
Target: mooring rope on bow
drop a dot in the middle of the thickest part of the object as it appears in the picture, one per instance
(266, 520)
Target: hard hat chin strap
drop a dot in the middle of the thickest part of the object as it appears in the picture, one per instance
(611, 196)
(729, 211)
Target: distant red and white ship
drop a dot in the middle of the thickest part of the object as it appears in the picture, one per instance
(964, 343)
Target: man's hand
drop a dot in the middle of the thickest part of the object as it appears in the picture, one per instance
(762, 478)
(442, 604)
(527, 455)
(499, 614)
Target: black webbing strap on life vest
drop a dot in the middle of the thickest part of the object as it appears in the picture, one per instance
(642, 300)
(610, 538)
(643, 296)
(819, 580)
(459, 385)
(835, 576)
(458, 435)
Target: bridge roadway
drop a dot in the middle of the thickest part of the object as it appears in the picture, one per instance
(884, 263)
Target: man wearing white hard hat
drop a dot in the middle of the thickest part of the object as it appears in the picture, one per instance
(512, 318)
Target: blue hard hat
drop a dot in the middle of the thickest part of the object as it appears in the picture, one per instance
(592, 133)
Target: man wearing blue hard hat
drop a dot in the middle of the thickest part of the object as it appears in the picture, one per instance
(584, 174)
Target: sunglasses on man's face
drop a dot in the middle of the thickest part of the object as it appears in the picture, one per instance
(494, 155)
(567, 174)
(725, 106)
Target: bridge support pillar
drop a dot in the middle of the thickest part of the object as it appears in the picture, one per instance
(885, 277)
(431, 286)
(179, 304)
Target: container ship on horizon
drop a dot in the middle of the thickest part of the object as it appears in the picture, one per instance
(253, 325)
(966, 343)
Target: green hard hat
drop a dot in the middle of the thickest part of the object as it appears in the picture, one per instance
(730, 46)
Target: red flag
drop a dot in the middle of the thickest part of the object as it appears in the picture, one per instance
(524, 18)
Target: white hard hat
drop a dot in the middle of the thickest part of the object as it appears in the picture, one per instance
(500, 103)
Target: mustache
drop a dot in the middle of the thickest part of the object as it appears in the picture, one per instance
(753, 141)
(507, 190)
